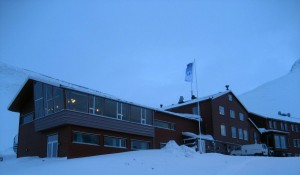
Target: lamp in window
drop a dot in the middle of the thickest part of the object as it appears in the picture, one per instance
(73, 100)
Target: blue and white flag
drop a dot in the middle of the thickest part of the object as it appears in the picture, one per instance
(189, 73)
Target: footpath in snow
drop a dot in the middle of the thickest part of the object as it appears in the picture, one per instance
(172, 159)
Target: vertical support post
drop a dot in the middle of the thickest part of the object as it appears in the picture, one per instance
(198, 108)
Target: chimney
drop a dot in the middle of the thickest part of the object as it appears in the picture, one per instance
(193, 97)
(227, 87)
(161, 105)
(180, 100)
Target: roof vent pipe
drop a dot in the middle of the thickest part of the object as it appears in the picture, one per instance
(181, 100)
(227, 87)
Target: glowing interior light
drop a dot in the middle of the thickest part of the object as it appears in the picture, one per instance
(97, 110)
(73, 100)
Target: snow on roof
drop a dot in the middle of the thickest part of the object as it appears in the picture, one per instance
(214, 96)
(202, 136)
(60, 83)
(281, 118)
(264, 130)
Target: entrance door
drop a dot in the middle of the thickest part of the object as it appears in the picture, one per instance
(52, 145)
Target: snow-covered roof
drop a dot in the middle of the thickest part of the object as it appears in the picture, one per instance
(202, 136)
(213, 96)
(60, 83)
(264, 130)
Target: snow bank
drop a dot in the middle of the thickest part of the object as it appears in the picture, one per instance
(172, 147)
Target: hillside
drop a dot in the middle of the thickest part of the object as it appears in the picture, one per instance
(281, 94)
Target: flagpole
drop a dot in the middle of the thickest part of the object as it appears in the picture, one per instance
(198, 107)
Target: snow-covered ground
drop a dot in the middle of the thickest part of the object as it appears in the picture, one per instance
(173, 160)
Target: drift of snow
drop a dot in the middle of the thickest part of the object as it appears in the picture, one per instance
(172, 159)
(280, 95)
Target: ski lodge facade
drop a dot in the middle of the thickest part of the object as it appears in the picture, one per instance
(59, 119)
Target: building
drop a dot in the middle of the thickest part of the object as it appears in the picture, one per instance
(224, 118)
(280, 134)
(59, 119)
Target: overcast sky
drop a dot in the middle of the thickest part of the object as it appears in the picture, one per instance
(138, 49)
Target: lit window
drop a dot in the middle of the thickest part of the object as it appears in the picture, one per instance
(114, 142)
(232, 113)
(223, 130)
(240, 130)
(242, 117)
(85, 138)
(221, 110)
(233, 132)
(77, 101)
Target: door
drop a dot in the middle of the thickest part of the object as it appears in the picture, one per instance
(52, 145)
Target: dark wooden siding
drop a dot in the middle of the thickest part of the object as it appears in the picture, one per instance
(67, 117)
(181, 125)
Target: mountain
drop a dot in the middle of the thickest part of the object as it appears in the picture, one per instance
(281, 95)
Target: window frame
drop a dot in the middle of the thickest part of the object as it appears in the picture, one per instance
(119, 140)
(233, 134)
(86, 143)
(134, 140)
(232, 113)
(222, 110)
(223, 130)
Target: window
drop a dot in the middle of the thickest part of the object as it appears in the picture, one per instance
(26, 118)
(96, 105)
(293, 127)
(233, 132)
(221, 110)
(255, 137)
(38, 100)
(163, 124)
(281, 126)
(77, 101)
(275, 124)
(195, 110)
(85, 138)
(141, 115)
(232, 113)
(223, 130)
(147, 116)
(242, 117)
(296, 128)
(139, 145)
(295, 143)
(123, 111)
(114, 142)
(240, 130)
(245, 135)
(58, 99)
(48, 96)
(270, 124)
(229, 97)
(280, 141)
(135, 114)
(110, 108)
(286, 126)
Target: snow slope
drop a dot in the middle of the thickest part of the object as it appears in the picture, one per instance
(11, 80)
(173, 160)
(282, 94)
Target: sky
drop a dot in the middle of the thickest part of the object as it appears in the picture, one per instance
(138, 50)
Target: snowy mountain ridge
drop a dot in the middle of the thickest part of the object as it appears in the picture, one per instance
(277, 98)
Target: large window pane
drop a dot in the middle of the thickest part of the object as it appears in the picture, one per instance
(282, 142)
(114, 142)
(58, 98)
(99, 109)
(149, 116)
(48, 99)
(38, 100)
(123, 111)
(223, 130)
(110, 108)
(240, 133)
(135, 114)
(77, 101)
(140, 145)
(277, 141)
(233, 132)
(87, 138)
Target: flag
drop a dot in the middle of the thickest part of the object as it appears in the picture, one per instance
(189, 72)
